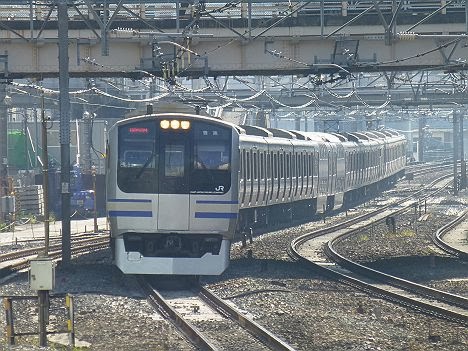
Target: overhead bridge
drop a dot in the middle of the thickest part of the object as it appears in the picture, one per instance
(211, 38)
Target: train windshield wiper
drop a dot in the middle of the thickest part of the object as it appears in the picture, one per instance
(148, 161)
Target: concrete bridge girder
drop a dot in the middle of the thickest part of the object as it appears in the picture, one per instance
(220, 52)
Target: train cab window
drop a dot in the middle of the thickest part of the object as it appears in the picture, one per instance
(211, 164)
(137, 164)
(174, 161)
(152, 159)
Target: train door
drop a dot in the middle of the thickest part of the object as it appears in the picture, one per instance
(243, 178)
(134, 199)
(173, 182)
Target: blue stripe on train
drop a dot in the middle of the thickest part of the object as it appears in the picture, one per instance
(215, 215)
(128, 200)
(130, 213)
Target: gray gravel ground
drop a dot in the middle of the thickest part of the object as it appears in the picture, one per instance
(307, 310)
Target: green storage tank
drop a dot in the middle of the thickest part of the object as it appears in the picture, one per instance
(17, 156)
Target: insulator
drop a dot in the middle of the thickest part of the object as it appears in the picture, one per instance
(406, 35)
(124, 30)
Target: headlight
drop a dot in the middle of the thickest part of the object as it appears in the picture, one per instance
(164, 124)
(175, 124)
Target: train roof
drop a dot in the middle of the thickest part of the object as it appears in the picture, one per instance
(360, 136)
(317, 136)
(268, 132)
(282, 133)
(258, 131)
(373, 135)
(342, 137)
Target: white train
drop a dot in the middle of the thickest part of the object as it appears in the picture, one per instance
(180, 186)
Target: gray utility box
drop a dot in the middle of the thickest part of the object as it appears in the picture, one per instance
(42, 274)
(7, 204)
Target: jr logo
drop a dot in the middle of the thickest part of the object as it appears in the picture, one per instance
(219, 188)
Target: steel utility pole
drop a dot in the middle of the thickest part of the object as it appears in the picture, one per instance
(45, 179)
(43, 295)
(421, 142)
(64, 99)
(462, 155)
(93, 170)
(455, 152)
(3, 139)
(3, 148)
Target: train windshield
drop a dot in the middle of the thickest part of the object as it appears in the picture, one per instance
(137, 163)
(152, 159)
(211, 172)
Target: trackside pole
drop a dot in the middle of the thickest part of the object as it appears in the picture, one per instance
(70, 320)
(455, 153)
(10, 331)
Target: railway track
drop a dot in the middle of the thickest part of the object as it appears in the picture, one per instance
(421, 298)
(422, 169)
(184, 309)
(15, 261)
(438, 237)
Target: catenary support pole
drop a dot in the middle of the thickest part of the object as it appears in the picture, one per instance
(421, 142)
(455, 152)
(45, 178)
(462, 155)
(64, 102)
(3, 140)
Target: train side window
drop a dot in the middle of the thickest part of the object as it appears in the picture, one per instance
(274, 172)
(268, 165)
(243, 175)
(262, 166)
(255, 165)
(279, 173)
(281, 170)
(263, 173)
(248, 166)
(306, 183)
(275, 166)
(280, 165)
(298, 172)
(289, 172)
(313, 170)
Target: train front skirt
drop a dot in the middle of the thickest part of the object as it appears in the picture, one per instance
(135, 263)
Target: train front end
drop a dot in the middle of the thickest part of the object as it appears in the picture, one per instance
(172, 194)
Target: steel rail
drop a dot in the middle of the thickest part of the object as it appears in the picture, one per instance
(253, 327)
(307, 236)
(217, 304)
(437, 239)
(32, 251)
(167, 311)
(56, 255)
(418, 305)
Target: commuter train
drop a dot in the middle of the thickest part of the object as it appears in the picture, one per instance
(181, 187)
